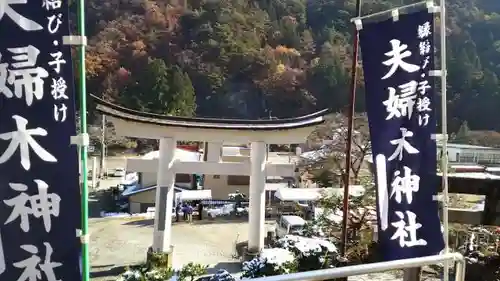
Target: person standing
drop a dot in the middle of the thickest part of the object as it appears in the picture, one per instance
(177, 211)
(200, 209)
(189, 210)
(184, 211)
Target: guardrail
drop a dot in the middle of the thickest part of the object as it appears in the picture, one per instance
(327, 274)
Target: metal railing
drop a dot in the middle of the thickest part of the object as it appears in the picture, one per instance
(326, 274)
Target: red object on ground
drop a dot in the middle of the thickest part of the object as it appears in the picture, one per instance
(193, 148)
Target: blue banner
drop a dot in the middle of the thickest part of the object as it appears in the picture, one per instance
(400, 97)
(39, 177)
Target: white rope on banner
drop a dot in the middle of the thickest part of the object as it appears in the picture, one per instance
(435, 73)
(385, 12)
(431, 8)
(359, 24)
(444, 128)
(395, 15)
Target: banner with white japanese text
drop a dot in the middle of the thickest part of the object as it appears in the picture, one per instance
(400, 96)
(39, 174)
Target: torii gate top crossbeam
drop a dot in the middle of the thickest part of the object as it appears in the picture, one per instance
(132, 123)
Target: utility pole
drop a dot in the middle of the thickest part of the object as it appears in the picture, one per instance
(268, 145)
(103, 146)
(350, 128)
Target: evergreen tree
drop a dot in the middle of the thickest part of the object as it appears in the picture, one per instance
(183, 100)
(463, 134)
(160, 92)
(147, 88)
(160, 89)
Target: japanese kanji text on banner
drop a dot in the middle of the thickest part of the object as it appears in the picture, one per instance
(397, 57)
(39, 181)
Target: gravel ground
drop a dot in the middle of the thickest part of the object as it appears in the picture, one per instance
(117, 243)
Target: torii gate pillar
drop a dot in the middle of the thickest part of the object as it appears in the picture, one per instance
(164, 196)
(256, 214)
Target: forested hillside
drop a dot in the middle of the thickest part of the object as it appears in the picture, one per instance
(269, 58)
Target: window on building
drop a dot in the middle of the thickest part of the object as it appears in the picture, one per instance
(496, 158)
(216, 177)
(183, 178)
(238, 180)
(467, 157)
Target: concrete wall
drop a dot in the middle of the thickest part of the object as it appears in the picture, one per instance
(139, 202)
(149, 179)
(143, 197)
(220, 187)
(134, 207)
(218, 184)
(472, 155)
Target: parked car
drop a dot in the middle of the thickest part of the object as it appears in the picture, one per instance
(289, 225)
(119, 172)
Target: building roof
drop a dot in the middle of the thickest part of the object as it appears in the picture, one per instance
(479, 176)
(294, 220)
(275, 186)
(191, 195)
(313, 194)
(314, 155)
(493, 169)
(135, 189)
(468, 146)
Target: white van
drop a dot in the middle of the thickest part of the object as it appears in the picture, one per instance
(288, 225)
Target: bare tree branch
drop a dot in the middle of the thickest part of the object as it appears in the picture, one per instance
(331, 139)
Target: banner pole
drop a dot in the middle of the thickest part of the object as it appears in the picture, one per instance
(350, 125)
(444, 128)
(83, 148)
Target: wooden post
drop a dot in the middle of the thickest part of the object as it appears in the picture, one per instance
(412, 274)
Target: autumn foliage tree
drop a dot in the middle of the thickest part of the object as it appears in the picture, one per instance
(245, 59)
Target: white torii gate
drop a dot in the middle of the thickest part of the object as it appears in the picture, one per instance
(169, 130)
(257, 168)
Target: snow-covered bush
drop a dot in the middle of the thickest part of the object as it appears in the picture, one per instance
(479, 245)
(274, 261)
(360, 225)
(222, 275)
(156, 274)
(310, 253)
(313, 229)
(131, 275)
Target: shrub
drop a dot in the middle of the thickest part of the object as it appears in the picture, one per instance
(275, 261)
(191, 270)
(131, 275)
(157, 260)
(222, 275)
(159, 274)
(310, 253)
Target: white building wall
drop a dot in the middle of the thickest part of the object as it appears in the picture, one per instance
(471, 154)
(148, 179)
